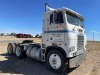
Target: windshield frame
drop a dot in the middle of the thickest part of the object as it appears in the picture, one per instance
(80, 22)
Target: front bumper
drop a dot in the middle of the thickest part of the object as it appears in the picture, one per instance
(76, 61)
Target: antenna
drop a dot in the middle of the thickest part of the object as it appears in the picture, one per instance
(46, 6)
(94, 32)
(93, 36)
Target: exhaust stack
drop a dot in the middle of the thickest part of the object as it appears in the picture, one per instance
(47, 8)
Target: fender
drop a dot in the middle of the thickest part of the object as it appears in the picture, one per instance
(55, 47)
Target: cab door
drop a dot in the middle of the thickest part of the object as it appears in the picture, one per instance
(56, 28)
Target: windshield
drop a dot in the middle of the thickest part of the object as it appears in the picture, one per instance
(72, 19)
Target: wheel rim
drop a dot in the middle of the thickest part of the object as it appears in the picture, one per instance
(18, 51)
(55, 61)
(10, 49)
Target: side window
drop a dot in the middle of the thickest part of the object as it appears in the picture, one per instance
(60, 17)
(51, 18)
(56, 18)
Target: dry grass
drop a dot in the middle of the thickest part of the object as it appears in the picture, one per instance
(96, 69)
(10, 38)
(93, 46)
(28, 66)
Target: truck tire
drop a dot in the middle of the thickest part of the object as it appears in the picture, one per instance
(19, 52)
(56, 61)
(11, 48)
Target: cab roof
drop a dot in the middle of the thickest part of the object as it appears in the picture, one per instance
(73, 12)
(67, 10)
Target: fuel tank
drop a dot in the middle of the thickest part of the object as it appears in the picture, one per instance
(34, 52)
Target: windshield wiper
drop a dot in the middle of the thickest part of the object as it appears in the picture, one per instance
(76, 24)
(74, 27)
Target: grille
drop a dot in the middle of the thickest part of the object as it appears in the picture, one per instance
(80, 42)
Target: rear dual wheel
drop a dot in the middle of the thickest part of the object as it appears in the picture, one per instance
(19, 52)
(11, 48)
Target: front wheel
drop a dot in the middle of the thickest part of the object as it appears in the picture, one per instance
(56, 61)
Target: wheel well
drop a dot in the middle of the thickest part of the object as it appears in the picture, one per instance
(48, 49)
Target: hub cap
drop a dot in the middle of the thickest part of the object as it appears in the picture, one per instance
(18, 51)
(55, 61)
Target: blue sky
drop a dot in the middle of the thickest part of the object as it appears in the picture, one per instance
(25, 16)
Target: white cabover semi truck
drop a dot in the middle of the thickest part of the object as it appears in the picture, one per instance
(63, 41)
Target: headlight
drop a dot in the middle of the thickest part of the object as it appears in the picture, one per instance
(72, 48)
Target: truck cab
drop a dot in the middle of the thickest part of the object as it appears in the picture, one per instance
(63, 29)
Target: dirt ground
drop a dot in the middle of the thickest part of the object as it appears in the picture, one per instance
(10, 65)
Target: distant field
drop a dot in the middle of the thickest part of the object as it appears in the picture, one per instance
(93, 46)
(12, 39)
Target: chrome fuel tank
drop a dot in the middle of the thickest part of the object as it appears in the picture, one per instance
(33, 52)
